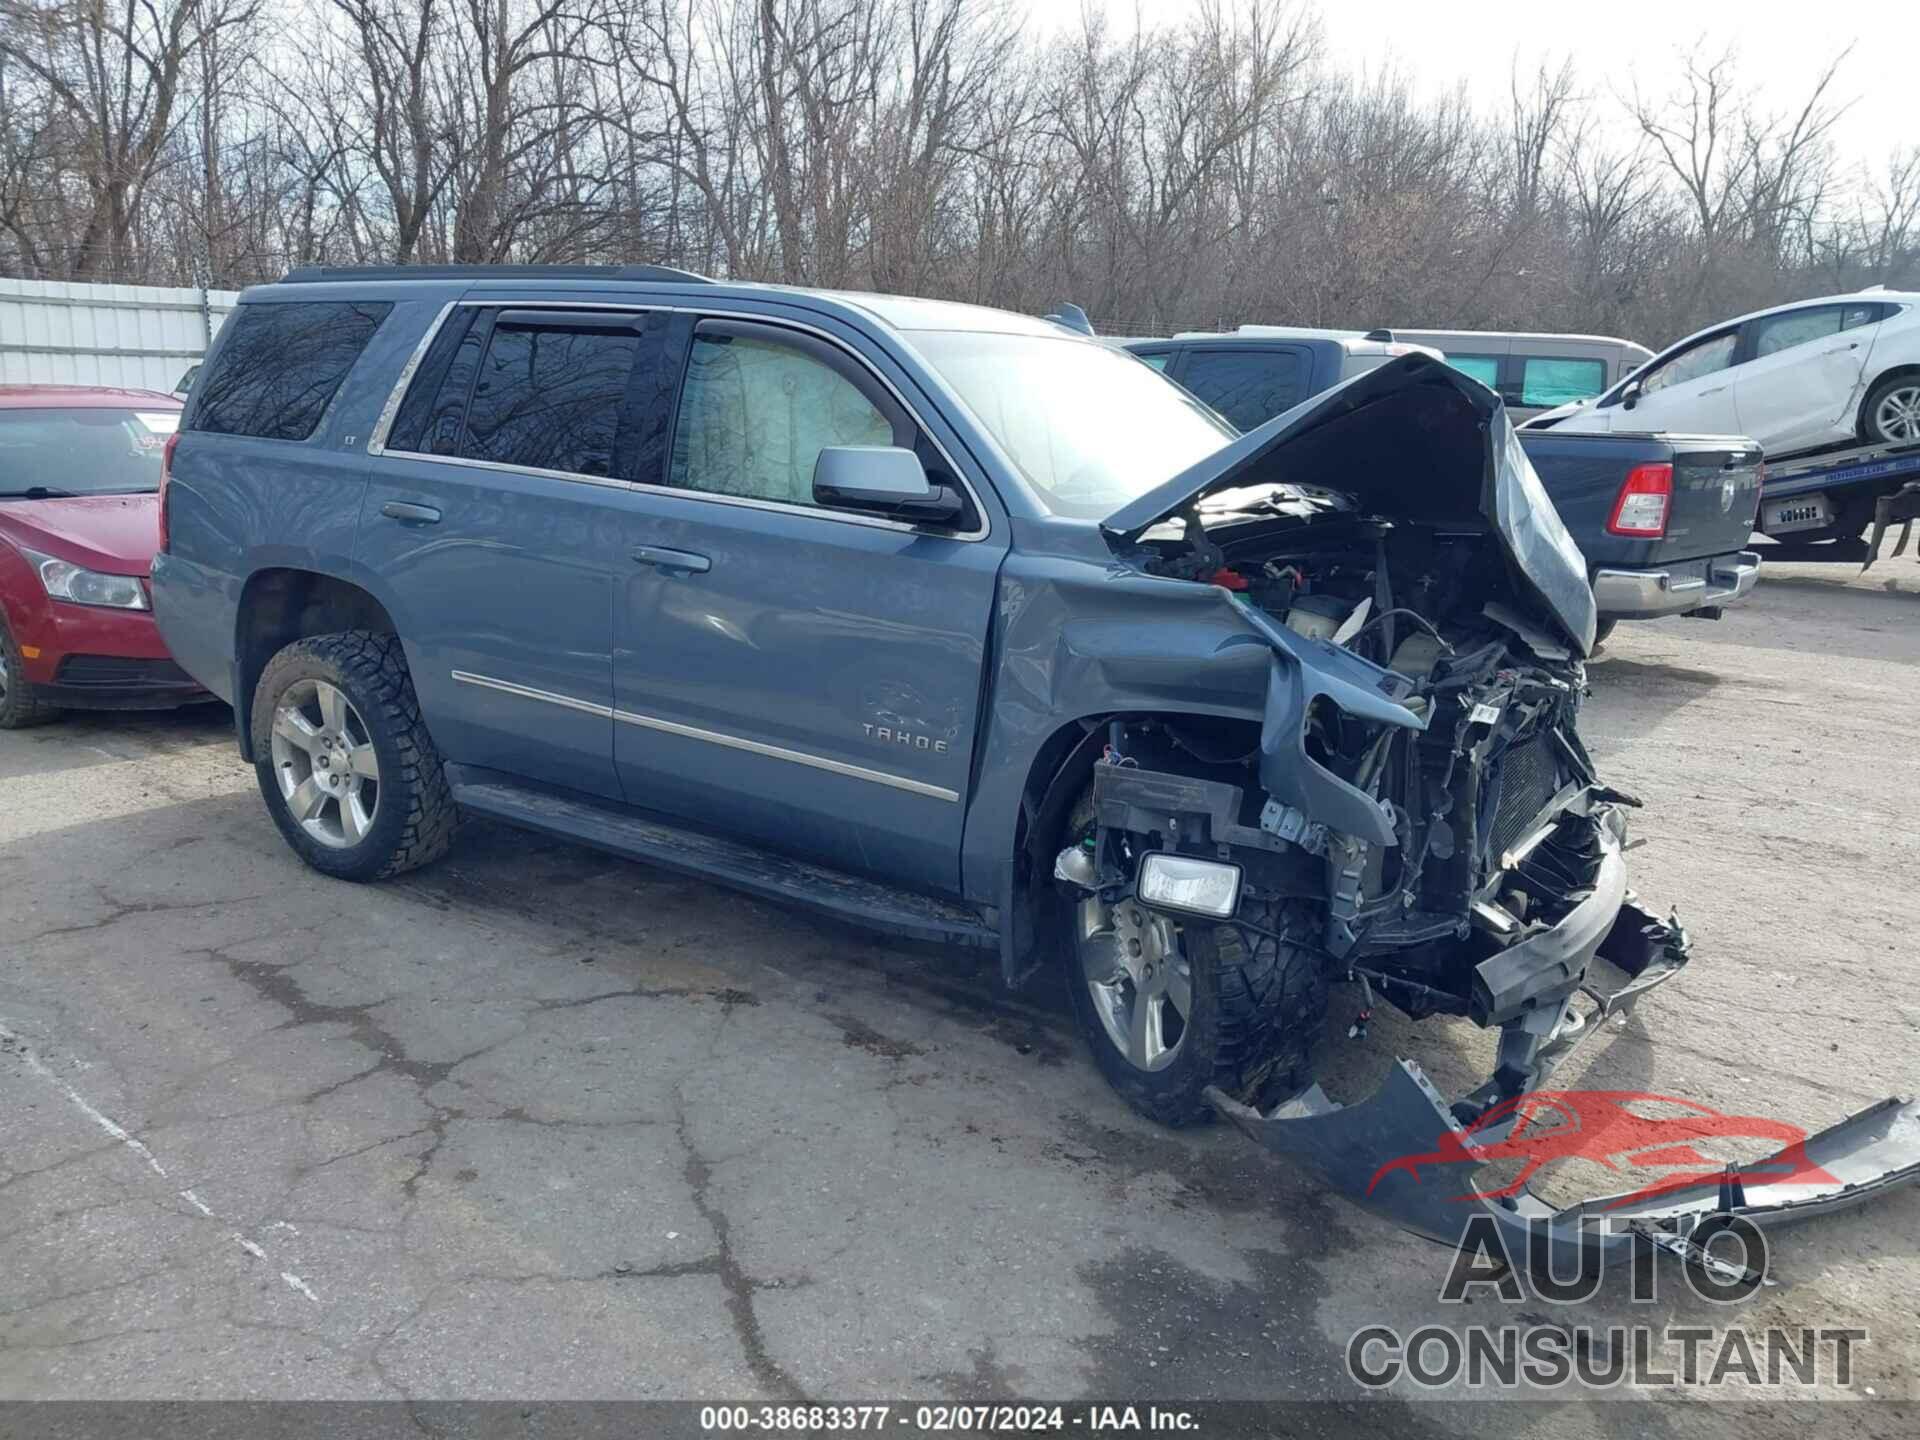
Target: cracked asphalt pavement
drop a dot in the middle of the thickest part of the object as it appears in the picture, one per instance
(541, 1123)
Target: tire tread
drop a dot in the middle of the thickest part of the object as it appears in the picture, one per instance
(377, 661)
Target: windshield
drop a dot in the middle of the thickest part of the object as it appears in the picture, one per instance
(1089, 427)
(82, 451)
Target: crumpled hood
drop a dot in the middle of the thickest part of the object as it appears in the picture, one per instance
(116, 534)
(1413, 440)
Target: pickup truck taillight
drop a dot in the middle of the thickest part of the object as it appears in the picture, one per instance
(1645, 498)
(166, 474)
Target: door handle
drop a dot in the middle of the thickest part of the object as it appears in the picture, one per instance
(410, 513)
(1717, 390)
(662, 558)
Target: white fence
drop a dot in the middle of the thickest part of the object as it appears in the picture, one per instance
(55, 332)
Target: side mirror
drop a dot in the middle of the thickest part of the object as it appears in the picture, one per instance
(881, 480)
(1630, 396)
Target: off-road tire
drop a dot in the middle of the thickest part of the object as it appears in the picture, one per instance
(1259, 1012)
(416, 816)
(20, 706)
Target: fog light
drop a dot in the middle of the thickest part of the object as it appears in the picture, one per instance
(1193, 887)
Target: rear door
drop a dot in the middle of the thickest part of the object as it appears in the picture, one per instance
(1795, 387)
(806, 678)
(487, 524)
(1247, 384)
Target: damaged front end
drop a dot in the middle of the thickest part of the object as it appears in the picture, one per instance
(1416, 800)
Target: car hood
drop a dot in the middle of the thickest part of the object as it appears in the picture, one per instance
(1547, 418)
(1413, 439)
(113, 533)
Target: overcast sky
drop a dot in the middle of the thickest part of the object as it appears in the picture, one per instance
(1782, 46)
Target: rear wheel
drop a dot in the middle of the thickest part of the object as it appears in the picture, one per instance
(1891, 414)
(345, 763)
(1602, 630)
(19, 706)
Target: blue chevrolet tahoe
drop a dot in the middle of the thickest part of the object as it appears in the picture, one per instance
(938, 619)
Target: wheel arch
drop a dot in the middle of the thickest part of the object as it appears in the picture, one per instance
(1903, 371)
(1061, 766)
(280, 605)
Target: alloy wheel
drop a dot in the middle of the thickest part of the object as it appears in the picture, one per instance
(1897, 416)
(1141, 983)
(323, 755)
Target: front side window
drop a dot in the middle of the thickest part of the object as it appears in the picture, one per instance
(550, 398)
(1086, 428)
(1710, 355)
(1249, 387)
(1548, 382)
(755, 413)
(279, 366)
(1157, 360)
(82, 451)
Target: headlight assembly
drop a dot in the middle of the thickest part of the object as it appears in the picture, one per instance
(63, 580)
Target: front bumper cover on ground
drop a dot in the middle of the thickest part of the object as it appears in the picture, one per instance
(1354, 1147)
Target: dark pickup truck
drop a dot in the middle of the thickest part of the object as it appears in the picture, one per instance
(1663, 520)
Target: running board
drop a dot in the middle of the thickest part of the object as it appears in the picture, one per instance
(867, 903)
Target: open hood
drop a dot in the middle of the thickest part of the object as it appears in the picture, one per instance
(1413, 440)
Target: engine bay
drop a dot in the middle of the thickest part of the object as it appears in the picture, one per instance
(1488, 800)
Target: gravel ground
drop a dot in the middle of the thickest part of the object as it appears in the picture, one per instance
(539, 1123)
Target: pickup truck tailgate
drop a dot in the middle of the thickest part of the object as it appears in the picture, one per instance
(1716, 487)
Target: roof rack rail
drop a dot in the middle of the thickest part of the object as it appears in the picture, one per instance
(308, 273)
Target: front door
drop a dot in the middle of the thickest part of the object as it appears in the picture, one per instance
(1691, 392)
(804, 678)
(486, 523)
(1797, 388)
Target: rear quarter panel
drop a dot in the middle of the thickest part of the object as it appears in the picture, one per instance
(238, 505)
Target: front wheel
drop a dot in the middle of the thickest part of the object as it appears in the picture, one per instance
(1171, 1007)
(345, 763)
(19, 706)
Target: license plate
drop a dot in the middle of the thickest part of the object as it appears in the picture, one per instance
(1802, 512)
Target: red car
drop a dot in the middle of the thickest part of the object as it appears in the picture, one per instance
(79, 522)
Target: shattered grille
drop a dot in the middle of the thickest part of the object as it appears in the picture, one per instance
(1529, 777)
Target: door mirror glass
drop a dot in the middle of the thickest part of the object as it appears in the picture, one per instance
(881, 480)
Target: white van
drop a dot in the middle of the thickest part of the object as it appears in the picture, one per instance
(1534, 372)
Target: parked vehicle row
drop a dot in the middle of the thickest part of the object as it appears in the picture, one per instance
(939, 620)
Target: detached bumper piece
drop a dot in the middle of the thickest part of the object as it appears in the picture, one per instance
(1408, 1155)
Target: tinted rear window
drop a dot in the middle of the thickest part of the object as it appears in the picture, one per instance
(1247, 387)
(1484, 368)
(1551, 382)
(279, 366)
(551, 399)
